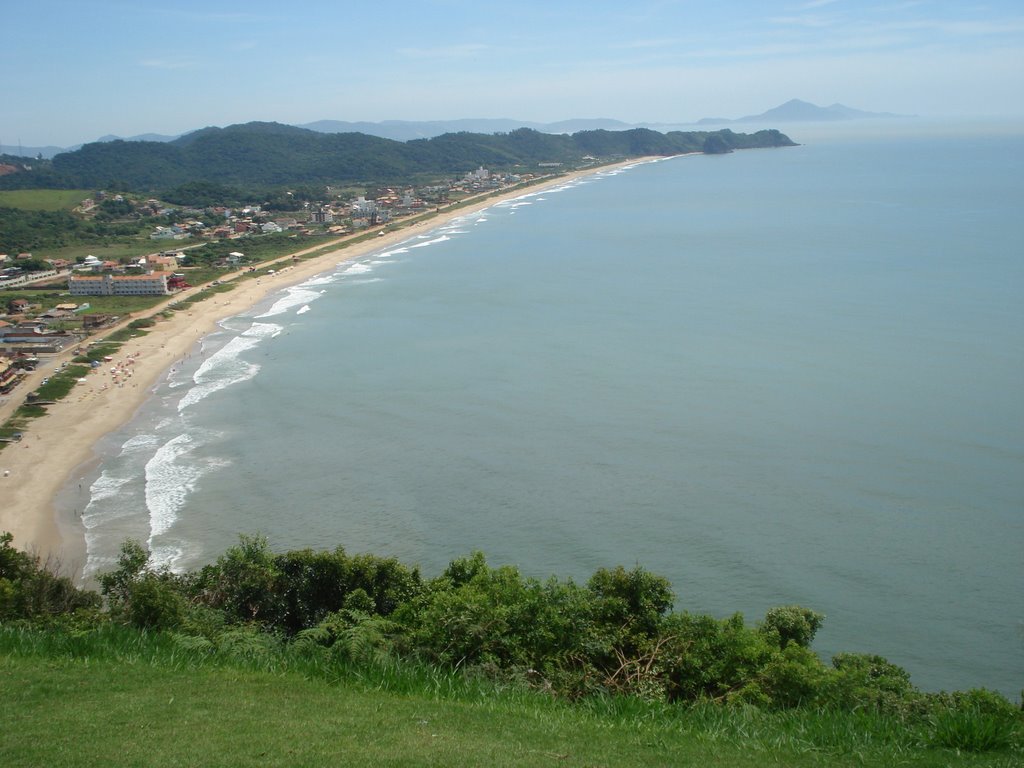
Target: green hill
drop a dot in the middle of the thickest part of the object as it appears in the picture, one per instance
(271, 154)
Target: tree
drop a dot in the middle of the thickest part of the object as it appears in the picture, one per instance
(792, 624)
(244, 582)
(32, 589)
(142, 597)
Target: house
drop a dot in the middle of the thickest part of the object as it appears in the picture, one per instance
(165, 262)
(18, 306)
(98, 320)
(173, 232)
(177, 282)
(90, 263)
(56, 315)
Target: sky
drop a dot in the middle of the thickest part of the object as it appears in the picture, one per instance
(73, 71)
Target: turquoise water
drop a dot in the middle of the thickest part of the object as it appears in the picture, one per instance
(777, 376)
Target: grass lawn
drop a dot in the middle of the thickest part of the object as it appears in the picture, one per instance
(146, 702)
(43, 199)
(114, 305)
(74, 713)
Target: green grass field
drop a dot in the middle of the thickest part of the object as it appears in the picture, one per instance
(43, 199)
(119, 697)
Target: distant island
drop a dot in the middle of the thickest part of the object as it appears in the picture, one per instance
(797, 111)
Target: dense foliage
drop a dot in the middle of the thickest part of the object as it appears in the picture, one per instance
(270, 154)
(22, 230)
(29, 589)
(616, 634)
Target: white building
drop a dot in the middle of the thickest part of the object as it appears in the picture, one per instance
(363, 208)
(154, 284)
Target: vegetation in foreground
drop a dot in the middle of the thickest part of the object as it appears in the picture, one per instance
(310, 657)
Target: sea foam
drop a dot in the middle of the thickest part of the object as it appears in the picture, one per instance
(171, 476)
(295, 297)
(432, 241)
(225, 367)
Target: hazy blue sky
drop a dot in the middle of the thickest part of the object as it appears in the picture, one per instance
(73, 71)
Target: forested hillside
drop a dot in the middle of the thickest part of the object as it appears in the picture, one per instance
(271, 154)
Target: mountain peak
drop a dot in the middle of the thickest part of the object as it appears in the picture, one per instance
(797, 110)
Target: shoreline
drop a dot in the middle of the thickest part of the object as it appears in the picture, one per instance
(61, 444)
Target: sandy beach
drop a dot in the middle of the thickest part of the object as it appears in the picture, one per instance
(57, 445)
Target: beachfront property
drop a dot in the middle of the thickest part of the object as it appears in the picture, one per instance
(154, 284)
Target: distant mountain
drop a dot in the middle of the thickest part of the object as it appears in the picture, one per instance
(49, 152)
(408, 130)
(140, 137)
(33, 152)
(797, 111)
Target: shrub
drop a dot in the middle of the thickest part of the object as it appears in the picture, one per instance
(792, 624)
(142, 597)
(32, 589)
(867, 680)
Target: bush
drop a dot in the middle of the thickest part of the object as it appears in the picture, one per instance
(866, 680)
(142, 597)
(792, 624)
(31, 589)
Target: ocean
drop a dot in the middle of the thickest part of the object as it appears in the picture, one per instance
(774, 377)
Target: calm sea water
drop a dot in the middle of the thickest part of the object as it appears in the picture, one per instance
(777, 376)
